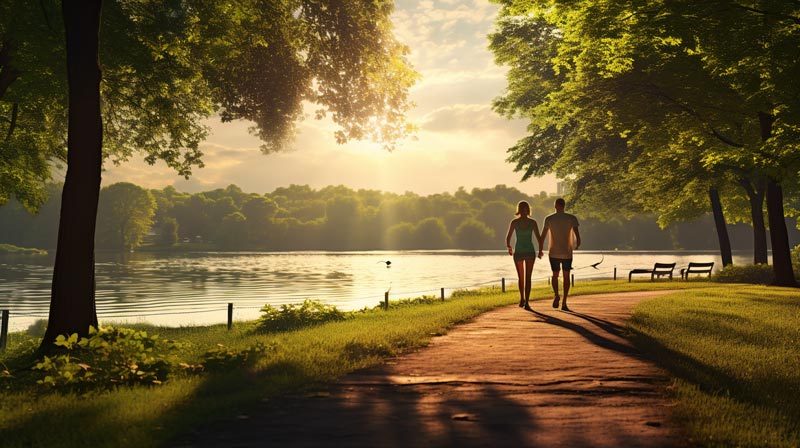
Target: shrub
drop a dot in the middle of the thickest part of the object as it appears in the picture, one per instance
(222, 358)
(759, 274)
(796, 260)
(293, 316)
(109, 357)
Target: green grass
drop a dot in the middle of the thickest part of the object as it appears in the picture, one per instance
(303, 360)
(735, 354)
(16, 250)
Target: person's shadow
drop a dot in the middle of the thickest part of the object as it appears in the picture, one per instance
(599, 338)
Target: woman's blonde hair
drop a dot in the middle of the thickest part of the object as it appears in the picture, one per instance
(523, 205)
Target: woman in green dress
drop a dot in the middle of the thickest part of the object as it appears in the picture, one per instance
(523, 252)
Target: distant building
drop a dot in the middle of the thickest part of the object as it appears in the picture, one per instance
(562, 188)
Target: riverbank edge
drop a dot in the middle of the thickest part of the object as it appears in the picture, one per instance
(153, 416)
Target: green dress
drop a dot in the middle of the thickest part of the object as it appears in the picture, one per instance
(523, 249)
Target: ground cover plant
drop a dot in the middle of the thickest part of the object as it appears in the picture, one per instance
(735, 354)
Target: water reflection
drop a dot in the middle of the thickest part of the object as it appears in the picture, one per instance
(180, 289)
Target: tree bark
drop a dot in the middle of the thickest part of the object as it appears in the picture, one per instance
(72, 303)
(756, 197)
(722, 228)
(779, 237)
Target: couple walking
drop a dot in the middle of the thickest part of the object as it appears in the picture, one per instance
(563, 230)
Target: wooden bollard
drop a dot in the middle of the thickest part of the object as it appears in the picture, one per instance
(615, 272)
(230, 316)
(386, 300)
(573, 278)
(503, 284)
(442, 294)
(4, 331)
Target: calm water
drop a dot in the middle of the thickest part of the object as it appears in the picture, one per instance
(195, 288)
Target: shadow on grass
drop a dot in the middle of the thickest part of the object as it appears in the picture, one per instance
(765, 390)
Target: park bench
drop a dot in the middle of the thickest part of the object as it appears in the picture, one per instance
(659, 270)
(697, 268)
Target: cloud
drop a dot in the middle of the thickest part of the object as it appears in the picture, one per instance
(469, 118)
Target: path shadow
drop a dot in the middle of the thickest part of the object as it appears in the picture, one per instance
(596, 338)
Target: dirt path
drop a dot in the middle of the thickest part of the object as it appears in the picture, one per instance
(509, 378)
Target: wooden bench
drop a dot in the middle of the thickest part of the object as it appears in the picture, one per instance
(659, 270)
(697, 268)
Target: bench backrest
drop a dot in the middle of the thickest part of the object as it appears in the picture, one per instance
(663, 267)
(704, 266)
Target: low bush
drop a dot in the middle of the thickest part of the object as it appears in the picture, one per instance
(294, 316)
(222, 358)
(108, 358)
(796, 260)
(757, 274)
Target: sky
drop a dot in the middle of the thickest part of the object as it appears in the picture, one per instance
(460, 141)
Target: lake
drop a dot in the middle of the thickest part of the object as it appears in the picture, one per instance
(195, 288)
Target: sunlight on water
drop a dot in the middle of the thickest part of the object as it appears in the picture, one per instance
(195, 288)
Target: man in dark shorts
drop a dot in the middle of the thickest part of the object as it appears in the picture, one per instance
(564, 238)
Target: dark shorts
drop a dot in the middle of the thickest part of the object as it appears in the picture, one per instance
(519, 256)
(556, 264)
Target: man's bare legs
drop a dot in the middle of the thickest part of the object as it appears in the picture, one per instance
(556, 297)
(567, 284)
(554, 282)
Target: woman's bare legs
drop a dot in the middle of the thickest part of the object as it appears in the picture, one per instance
(520, 265)
(528, 274)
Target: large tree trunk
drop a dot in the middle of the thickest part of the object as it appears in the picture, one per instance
(756, 196)
(72, 304)
(779, 235)
(722, 228)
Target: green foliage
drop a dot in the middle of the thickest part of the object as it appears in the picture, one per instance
(108, 358)
(473, 234)
(796, 259)
(12, 249)
(124, 216)
(643, 108)
(222, 358)
(365, 220)
(758, 274)
(294, 316)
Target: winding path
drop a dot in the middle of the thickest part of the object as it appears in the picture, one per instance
(508, 378)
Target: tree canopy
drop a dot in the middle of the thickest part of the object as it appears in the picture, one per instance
(168, 66)
(653, 102)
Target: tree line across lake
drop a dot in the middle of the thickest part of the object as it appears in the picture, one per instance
(298, 217)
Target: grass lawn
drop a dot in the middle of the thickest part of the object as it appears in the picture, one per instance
(298, 361)
(735, 353)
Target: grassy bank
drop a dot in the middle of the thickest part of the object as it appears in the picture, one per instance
(11, 249)
(735, 354)
(299, 361)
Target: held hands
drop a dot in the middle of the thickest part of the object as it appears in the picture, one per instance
(541, 253)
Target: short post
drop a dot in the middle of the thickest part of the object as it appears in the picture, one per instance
(386, 300)
(503, 284)
(572, 277)
(442, 294)
(230, 316)
(615, 272)
(548, 281)
(4, 331)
